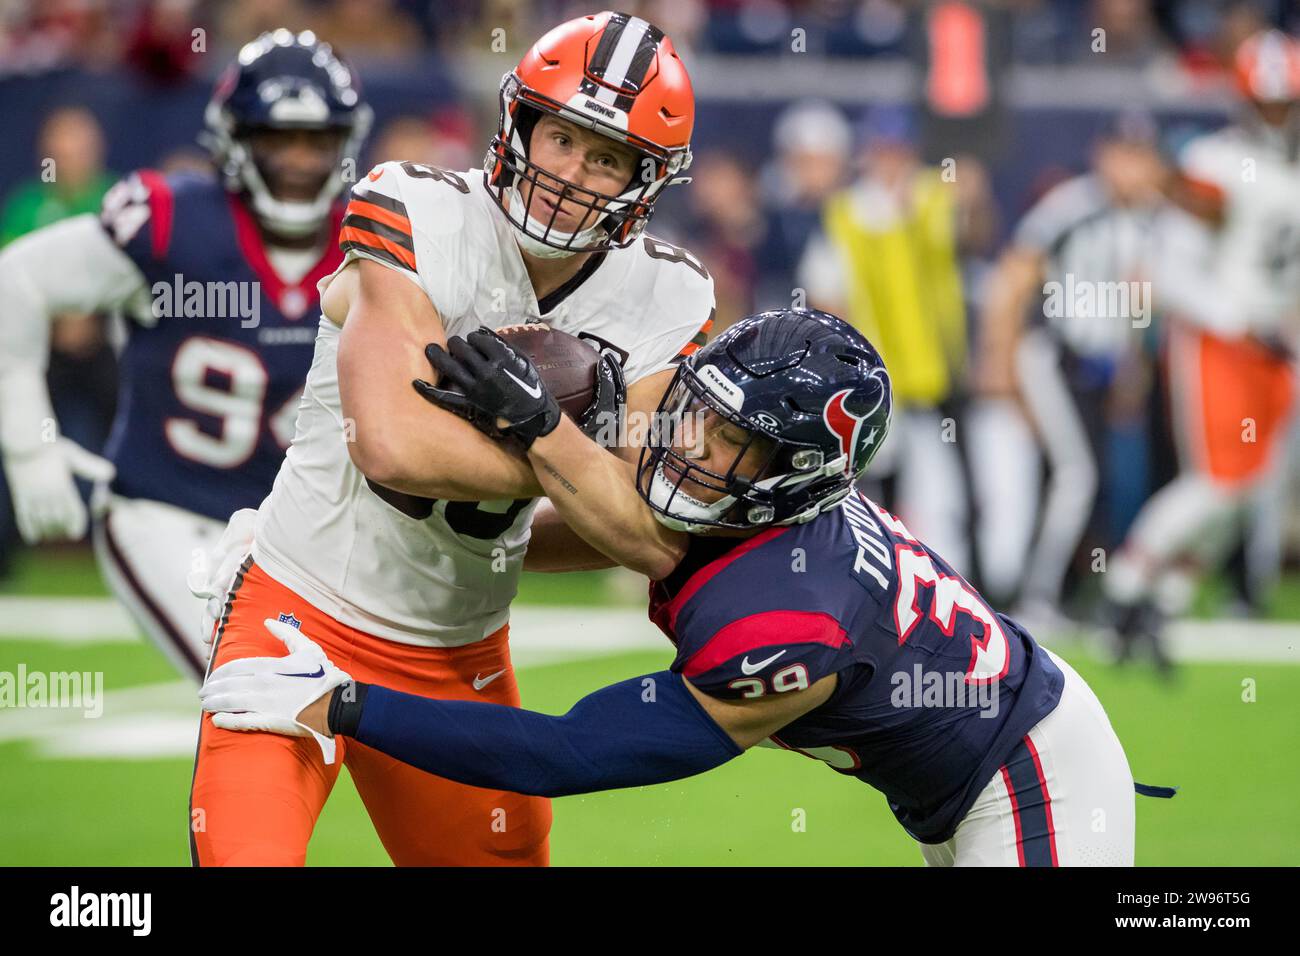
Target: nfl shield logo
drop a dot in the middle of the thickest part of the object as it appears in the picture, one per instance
(292, 621)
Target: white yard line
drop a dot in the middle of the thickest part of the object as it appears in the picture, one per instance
(543, 634)
(65, 620)
(160, 720)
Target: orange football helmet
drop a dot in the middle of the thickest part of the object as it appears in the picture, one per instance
(1267, 67)
(619, 76)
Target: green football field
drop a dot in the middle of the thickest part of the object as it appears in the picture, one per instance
(72, 792)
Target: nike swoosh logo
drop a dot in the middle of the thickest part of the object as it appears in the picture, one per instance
(749, 668)
(481, 682)
(320, 672)
(534, 391)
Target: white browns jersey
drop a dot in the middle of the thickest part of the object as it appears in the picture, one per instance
(1256, 254)
(448, 578)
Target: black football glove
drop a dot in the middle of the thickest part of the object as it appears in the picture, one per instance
(490, 380)
(602, 420)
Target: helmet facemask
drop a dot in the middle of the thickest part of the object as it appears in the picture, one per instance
(291, 219)
(756, 486)
(608, 221)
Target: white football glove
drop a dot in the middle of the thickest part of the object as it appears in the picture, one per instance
(213, 572)
(47, 505)
(268, 693)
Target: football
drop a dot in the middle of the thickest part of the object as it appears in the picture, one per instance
(566, 363)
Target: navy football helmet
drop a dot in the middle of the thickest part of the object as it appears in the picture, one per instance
(813, 399)
(284, 80)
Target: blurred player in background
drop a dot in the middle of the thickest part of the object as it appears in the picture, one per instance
(800, 611)
(1230, 278)
(215, 277)
(396, 533)
(1089, 235)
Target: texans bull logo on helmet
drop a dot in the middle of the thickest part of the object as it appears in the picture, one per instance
(847, 427)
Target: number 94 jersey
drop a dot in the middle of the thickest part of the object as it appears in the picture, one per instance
(935, 689)
(439, 573)
(216, 351)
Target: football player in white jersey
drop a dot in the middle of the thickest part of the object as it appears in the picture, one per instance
(1230, 282)
(396, 532)
(208, 384)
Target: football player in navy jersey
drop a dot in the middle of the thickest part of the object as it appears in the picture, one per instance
(216, 278)
(804, 615)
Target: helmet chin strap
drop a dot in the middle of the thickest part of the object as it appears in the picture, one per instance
(689, 514)
(292, 220)
(684, 507)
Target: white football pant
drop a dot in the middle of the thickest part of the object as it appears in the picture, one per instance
(1064, 798)
(145, 549)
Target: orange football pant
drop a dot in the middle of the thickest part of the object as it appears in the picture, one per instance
(1234, 399)
(255, 797)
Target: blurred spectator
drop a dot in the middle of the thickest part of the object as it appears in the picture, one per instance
(1130, 33)
(82, 370)
(241, 20)
(447, 141)
(1237, 23)
(813, 142)
(70, 150)
(683, 20)
(724, 228)
(886, 260)
(53, 33)
(369, 28)
(163, 44)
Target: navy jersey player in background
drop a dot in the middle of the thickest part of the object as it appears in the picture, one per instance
(805, 617)
(216, 278)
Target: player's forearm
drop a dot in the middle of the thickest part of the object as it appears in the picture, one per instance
(402, 442)
(26, 414)
(595, 493)
(26, 310)
(555, 547)
(638, 732)
(451, 460)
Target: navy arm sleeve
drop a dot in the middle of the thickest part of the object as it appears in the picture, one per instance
(641, 731)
